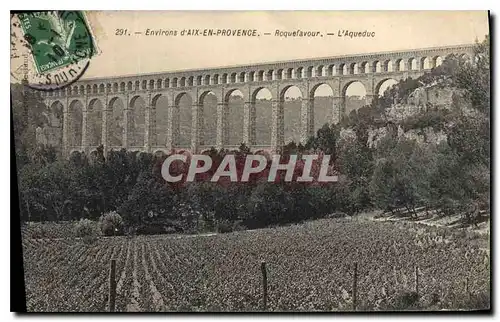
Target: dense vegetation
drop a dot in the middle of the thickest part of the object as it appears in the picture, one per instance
(450, 177)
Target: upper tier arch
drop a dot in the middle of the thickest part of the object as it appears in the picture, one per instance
(356, 65)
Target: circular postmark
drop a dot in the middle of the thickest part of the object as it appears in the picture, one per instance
(50, 49)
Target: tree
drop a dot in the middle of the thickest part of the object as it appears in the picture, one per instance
(268, 204)
(325, 140)
(28, 113)
(402, 175)
(148, 203)
(474, 77)
(42, 155)
(446, 186)
(46, 193)
(397, 93)
(451, 177)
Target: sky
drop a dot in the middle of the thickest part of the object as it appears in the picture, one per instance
(394, 30)
(138, 53)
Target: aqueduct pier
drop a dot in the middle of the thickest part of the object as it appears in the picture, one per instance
(74, 104)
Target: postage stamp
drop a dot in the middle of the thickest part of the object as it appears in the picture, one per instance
(59, 45)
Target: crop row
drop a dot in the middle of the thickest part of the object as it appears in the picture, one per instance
(309, 268)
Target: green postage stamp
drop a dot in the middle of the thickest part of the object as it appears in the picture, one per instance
(57, 38)
(51, 49)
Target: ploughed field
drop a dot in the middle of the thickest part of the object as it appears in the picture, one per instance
(309, 267)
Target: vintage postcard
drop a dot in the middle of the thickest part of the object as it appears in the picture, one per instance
(252, 161)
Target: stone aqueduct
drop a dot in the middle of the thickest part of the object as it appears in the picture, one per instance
(337, 72)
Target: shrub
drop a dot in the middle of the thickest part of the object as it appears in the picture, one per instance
(86, 228)
(238, 225)
(206, 222)
(111, 224)
(402, 300)
(269, 204)
(89, 239)
(157, 229)
(224, 226)
(185, 219)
